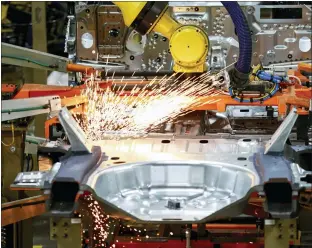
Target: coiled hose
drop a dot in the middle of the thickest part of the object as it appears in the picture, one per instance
(245, 44)
(255, 99)
(266, 77)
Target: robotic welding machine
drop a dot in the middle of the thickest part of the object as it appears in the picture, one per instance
(235, 172)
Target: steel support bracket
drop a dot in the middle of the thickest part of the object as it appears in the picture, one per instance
(278, 140)
(278, 233)
(74, 132)
(301, 155)
(13, 212)
(66, 231)
(21, 108)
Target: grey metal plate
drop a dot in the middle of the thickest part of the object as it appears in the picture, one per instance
(268, 35)
(142, 175)
(209, 177)
(201, 187)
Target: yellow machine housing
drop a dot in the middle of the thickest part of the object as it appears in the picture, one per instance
(188, 44)
(130, 10)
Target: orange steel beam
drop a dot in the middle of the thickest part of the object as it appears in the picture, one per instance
(73, 101)
(36, 90)
(221, 101)
(71, 97)
(19, 210)
(302, 67)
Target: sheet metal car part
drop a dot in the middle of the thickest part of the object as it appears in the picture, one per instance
(203, 179)
(62, 183)
(173, 180)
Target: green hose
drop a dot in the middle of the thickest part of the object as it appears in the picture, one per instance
(26, 59)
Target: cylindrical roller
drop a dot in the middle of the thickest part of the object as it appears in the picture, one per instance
(79, 68)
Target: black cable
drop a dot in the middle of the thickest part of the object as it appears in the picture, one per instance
(29, 162)
(32, 162)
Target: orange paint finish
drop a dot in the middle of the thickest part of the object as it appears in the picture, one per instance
(8, 88)
(304, 93)
(305, 67)
(302, 67)
(30, 90)
(79, 68)
(220, 102)
(298, 101)
(36, 90)
(302, 112)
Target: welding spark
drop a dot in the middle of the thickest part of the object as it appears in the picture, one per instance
(99, 221)
(116, 113)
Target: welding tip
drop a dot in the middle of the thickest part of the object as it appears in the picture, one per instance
(79, 68)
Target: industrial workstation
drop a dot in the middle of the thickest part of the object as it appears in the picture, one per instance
(156, 124)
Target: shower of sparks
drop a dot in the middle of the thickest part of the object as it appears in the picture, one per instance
(117, 113)
(99, 221)
(100, 224)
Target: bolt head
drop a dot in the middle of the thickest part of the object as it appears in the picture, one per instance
(12, 148)
(250, 10)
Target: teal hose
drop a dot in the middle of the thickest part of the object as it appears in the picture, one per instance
(25, 59)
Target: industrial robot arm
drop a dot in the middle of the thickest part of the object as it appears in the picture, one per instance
(188, 44)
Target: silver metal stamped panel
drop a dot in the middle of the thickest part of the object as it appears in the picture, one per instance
(143, 175)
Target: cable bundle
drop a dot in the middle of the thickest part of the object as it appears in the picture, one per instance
(269, 77)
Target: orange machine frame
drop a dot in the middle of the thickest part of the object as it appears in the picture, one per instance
(295, 95)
